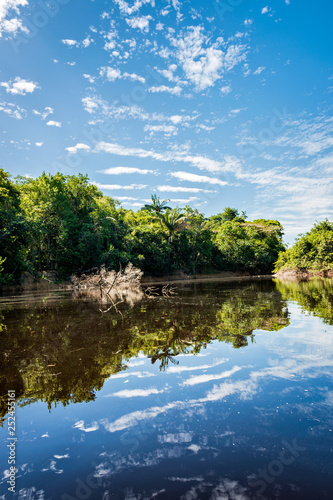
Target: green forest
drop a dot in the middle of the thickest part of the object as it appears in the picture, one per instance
(65, 225)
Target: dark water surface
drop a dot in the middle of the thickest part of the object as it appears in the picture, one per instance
(223, 391)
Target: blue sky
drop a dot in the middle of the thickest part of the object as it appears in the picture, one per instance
(213, 104)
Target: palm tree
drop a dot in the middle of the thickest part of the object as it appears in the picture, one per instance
(157, 205)
(173, 220)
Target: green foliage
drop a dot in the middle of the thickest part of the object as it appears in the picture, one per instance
(157, 205)
(228, 215)
(249, 246)
(13, 232)
(312, 252)
(66, 225)
(172, 220)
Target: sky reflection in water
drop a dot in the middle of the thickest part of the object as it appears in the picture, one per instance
(221, 392)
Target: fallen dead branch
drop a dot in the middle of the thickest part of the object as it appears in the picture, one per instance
(109, 287)
(166, 291)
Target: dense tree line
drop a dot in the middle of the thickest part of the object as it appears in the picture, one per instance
(65, 224)
(312, 252)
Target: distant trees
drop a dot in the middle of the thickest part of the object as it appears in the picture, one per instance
(66, 225)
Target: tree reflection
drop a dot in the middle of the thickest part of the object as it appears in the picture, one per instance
(314, 295)
(63, 352)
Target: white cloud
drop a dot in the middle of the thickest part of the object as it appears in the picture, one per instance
(111, 74)
(74, 43)
(134, 77)
(183, 200)
(87, 41)
(90, 78)
(186, 176)
(39, 144)
(19, 86)
(169, 73)
(225, 90)
(43, 114)
(164, 88)
(201, 126)
(129, 10)
(234, 112)
(80, 425)
(130, 198)
(70, 43)
(52, 123)
(267, 10)
(166, 129)
(206, 377)
(139, 22)
(248, 22)
(126, 170)
(204, 65)
(113, 187)
(79, 146)
(91, 104)
(13, 110)
(259, 70)
(180, 369)
(13, 25)
(229, 163)
(134, 393)
(176, 189)
(96, 105)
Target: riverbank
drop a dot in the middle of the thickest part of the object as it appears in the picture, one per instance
(303, 274)
(45, 284)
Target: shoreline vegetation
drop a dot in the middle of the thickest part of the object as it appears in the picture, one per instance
(310, 256)
(55, 226)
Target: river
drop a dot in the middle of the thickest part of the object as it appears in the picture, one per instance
(218, 391)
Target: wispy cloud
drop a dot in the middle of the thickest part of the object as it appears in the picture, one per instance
(115, 187)
(208, 377)
(126, 170)
(79, 146)
(13, 110)
(112, 74)
(177, 90)
(135, 393)
(177, 189)
(187, 176)
(203, 163)
(43, 114)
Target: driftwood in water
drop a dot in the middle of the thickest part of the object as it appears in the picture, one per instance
(109, 286)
